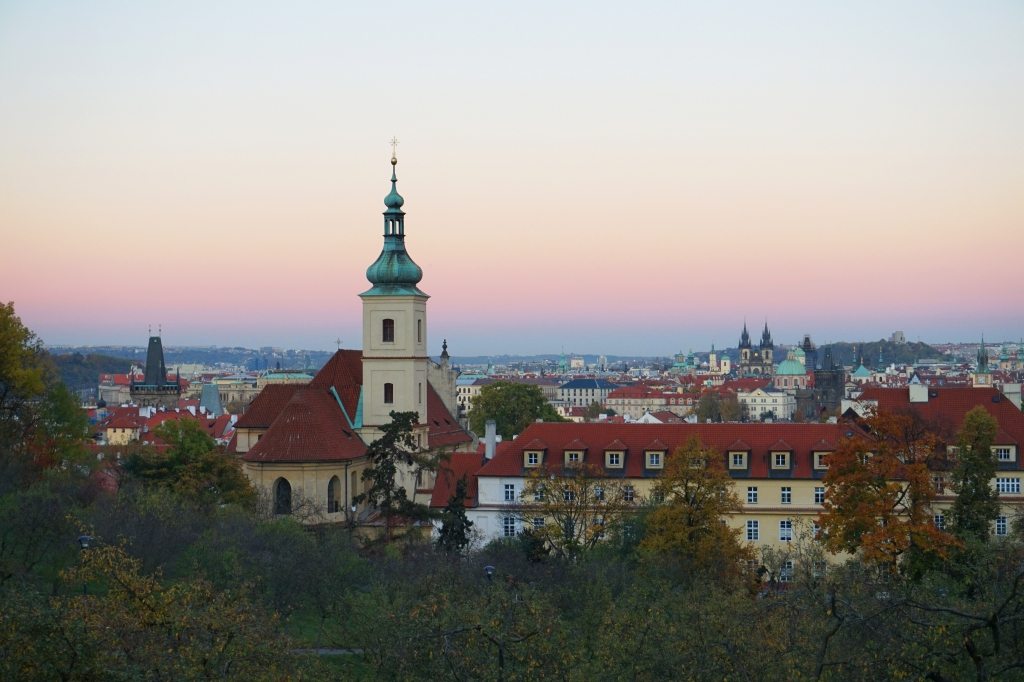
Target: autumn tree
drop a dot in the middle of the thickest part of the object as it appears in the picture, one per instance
(41, 425)
(695, 497)
(392, 453)
(512, 406)
(878, 494)
(573, 509)
(715, 407)
(977, 503)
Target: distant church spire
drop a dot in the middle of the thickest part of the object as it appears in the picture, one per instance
(982, 356)
(394, 273)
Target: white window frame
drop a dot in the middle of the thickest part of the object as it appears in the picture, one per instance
(737, 460)
(1008, 485)
(778, 457)
(1002, 528)
(532, 459)
(786, 495)
(819, 494)
(786, 530)
(508, 526)
(939, 520)
(613, 460)
(753, 530)
(510, 492)
(628, 493)
(654, 459)
(752, 494)
(1003, 453)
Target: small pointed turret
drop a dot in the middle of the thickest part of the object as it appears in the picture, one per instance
(745, 336)
(982, 357)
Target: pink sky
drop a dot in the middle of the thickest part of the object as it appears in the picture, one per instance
(611, 183)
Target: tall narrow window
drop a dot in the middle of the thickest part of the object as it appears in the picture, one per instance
(389, 393)
(419, 331)
(388, 331)
(419, 391)
(333, 495)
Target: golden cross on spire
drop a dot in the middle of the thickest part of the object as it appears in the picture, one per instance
(394, 149)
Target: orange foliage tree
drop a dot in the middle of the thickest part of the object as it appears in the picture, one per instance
(878, 494)
(694, 496)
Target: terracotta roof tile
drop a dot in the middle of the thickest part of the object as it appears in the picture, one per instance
(265, 407)
(310, 428)
(460, 464)
(443, 429)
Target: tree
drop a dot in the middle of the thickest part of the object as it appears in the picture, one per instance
(977, 503)
(878, 493)
(191, 465)
(715, 407)
(572, 510)
(40, 423)
(697, 495)
(512, 407)
(454, 536)
(396, 447)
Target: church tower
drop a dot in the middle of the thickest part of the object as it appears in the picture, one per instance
(394, 328)
(156, 390)
(982, 375)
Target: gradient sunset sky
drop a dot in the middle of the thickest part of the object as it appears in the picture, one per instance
(614, 178)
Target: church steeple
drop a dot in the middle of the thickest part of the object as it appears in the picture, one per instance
(394, 273)
(745, 336)
(982, 357)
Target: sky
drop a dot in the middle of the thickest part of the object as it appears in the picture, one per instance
(604, 177)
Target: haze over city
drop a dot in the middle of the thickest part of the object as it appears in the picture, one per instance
(586, 178)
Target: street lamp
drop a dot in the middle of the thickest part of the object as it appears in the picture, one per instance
(83, 542)
(489, 572)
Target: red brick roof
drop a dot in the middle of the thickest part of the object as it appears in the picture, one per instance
(265, 407)
(461, 464)
(311, 428)
(508, 461)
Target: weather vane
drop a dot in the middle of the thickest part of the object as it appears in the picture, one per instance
(394, 149)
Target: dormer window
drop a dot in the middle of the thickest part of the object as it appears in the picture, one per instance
(737, 460)
(388, 330)
(573, 458)
(1003, 453)
(655, 459)
(780, 460)
(821, 461)
(533, 458)
(613, 460)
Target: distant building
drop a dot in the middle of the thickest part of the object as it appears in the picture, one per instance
(898, 338)
(791, 374)
(584, 392)
(155, 389)
(756, 360)
(763, 404)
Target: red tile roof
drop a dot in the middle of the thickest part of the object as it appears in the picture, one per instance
(311, 428)
(461, 464)
(265, 407)
(443, 429)
(343, 372)
(635, 438)
(948, 405)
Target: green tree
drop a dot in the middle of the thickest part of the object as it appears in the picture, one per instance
(191, 465)
(512, 406)
(695, 493)
(977, 503)
(454, 536)
(395, 449)
(40, 423)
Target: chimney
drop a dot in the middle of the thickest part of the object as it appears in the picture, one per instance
(490, 439)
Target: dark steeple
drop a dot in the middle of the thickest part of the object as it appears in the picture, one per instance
(156, 370)
(745, 337)
(982, 357)
(766, 337)
(155, 389)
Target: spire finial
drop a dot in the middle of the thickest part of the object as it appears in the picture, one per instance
(394, 151)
